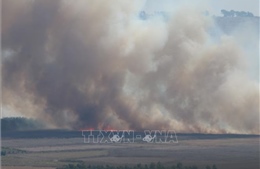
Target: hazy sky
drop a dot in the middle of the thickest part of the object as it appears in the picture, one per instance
(239, 5)
(213, 6)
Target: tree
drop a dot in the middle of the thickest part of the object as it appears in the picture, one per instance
(224, 12)
(143, 15)
(3, 153)
(233, 13)
(249, 14)
(179, 165)
(208, 167)
(152, 166)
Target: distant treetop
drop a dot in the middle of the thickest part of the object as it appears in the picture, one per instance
(233, 13)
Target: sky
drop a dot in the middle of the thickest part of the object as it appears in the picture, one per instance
(213, 6)
(237, 5)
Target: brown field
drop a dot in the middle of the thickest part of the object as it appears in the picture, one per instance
(232, 153)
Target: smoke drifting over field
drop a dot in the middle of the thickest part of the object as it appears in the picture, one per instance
(96, 64)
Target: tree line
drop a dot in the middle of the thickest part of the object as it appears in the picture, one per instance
(233, 13)
(20, 124)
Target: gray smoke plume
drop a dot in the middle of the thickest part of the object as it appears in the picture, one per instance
(95, 64)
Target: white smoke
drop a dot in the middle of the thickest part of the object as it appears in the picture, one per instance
(80, 64)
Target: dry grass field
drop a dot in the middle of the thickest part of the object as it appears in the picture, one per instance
(227, 153)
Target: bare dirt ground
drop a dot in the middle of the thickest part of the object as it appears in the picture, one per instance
(231, 153)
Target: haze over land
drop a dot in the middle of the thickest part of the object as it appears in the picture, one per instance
(97, 64)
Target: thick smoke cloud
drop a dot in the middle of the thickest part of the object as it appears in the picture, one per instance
(95, 64)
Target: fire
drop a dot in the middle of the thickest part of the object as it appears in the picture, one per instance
(87, 129)
(109, 128)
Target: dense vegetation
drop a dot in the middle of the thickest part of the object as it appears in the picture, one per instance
(7, 150)
(20, 124)
(138, 166)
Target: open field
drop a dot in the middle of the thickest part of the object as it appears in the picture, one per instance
(227, 152)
